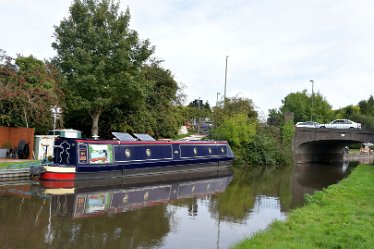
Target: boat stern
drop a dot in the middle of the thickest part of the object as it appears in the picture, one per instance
(58, 173)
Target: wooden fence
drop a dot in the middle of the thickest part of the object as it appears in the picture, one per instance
(15, 134)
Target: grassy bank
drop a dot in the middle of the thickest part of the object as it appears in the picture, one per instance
(18, 164)
(341, 216)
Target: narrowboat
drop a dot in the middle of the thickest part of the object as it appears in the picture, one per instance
(137, 155)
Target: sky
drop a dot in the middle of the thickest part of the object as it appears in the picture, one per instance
(273, 47)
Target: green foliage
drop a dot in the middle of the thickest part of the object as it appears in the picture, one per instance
(158, 116)
(234, 106)
(367, 121)
(288, 132)
(363, 113)
(236, 129)
(340, 216)
(101, 59)
(162, 94)
(253, 144)
(235, 122)
(301, 105)
(28, 89)
(347, 112)
(367, 106)
(266, 148)
(275, 117)
(198, 110)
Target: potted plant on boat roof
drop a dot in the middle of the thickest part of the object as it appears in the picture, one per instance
(5, 149)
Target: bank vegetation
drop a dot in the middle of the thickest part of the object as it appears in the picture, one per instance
(340, 216)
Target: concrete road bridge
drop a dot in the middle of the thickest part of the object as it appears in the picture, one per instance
(326, 145)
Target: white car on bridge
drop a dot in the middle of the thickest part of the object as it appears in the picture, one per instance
(342, 124)
(308, 124)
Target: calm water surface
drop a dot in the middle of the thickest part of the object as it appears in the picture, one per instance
(197, 213)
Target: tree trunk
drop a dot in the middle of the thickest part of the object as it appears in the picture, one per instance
(95, 124)
(25, 116)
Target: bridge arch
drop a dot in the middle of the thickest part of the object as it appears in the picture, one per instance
(326, 145)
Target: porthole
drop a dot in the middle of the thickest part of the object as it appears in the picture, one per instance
(223, 150)
(193, 189)
(127, 153)
(148, 152)
(125, 198)
(195, 151)
(146, 196)
(210, 150)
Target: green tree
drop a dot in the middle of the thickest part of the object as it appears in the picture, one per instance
(28, 89)
(347, 112)
(275, 117)
(159, 116)
(161, 100)
(288, 132)
(236, 129)
(234, 106)
(101, 59)
(367, 106)
(267, 149)
(301, 105)
(235, 122)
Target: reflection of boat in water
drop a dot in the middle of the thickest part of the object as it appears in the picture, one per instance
(76, 159)
(87, 198)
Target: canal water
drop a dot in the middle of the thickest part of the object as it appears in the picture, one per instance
(212, 212)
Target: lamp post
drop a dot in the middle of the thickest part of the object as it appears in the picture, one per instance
(56, 111)
(217, 99)
(311, 112)
(224, 93)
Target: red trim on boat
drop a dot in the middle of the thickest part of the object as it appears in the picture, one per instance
(58, 184)
(57, 176)
(148, 142)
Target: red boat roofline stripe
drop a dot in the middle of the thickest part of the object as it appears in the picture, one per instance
(149, 142)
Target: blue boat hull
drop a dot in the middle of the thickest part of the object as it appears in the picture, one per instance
(93, 159)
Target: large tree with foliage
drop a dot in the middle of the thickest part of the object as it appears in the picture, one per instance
(301, 105)
(101, 59)
(162, 99)
(28, 89)
(159, 116)
(366, 116)
(367, 106)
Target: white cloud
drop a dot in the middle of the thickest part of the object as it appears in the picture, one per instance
(274, 47)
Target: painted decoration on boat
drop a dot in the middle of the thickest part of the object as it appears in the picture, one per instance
(100, 153)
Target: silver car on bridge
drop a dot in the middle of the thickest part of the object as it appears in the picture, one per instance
(342, 124)
(308, 124)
